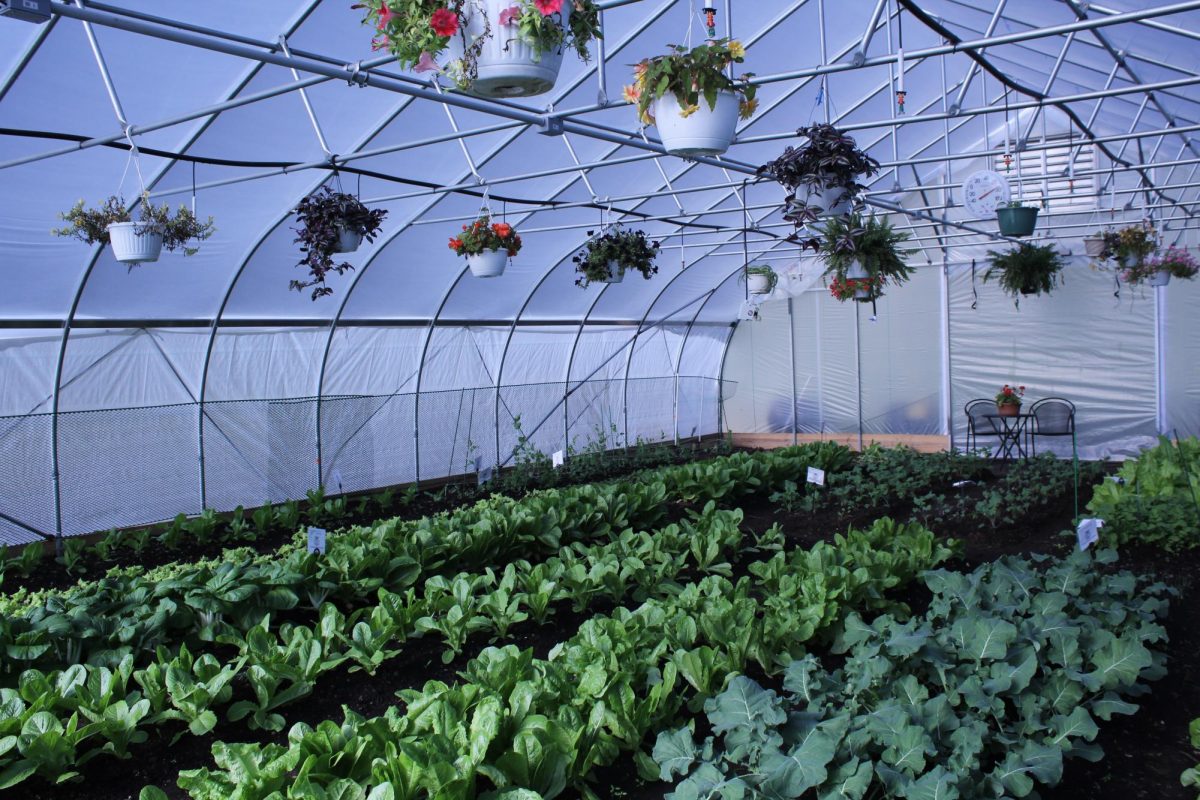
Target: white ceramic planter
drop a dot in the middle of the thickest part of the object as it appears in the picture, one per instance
(615, 273)
(508, 67)
(1160, 278)
(835, 201)
(1093, 245)
(758, 284)
(348, 240)
(488, 264)
(858, 272)
(707, 132)
(131, 247)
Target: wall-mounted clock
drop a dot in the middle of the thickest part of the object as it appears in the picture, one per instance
(984, 192)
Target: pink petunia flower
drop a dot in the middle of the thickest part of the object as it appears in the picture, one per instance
(509, 16)
(426, 64)
(548, 7)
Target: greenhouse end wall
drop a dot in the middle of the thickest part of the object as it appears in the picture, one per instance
(1113, 351)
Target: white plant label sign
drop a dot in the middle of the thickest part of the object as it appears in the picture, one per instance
(1088, 532)
(816, 476)
(316, 540)
(558, 459)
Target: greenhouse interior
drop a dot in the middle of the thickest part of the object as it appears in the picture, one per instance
(524, 399)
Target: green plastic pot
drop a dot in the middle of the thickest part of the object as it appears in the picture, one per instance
(1018, 221)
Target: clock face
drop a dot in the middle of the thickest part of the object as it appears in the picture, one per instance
(984, 192)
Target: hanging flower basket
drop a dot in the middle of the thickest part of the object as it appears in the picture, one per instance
(822, 175)
(1157, 270)
(1017, 220)
(133, 246)
(862, 255)
(141, 242)
(607, 257)
(331, 223)
(509, 65)
(689, 98)
(492, 48)
(487, 246)
(1093, 245)
(760, 279)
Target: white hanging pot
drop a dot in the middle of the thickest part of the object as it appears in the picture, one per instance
(348, 240)
(706, 132)
(488, 264)
(834, 201)
(508, 66)
(1160, 278)
(858, 272)
(757, 283)
(616, 273)
(1093, 245)
(131, 247)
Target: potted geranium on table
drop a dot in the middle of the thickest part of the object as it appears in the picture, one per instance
(1158, 270)
(823, 175)
(492, 48)
(1008, 400)
(487, 246)
(607, 257)
(331, 223)
(861, 255)
(1026, 269)
(689, 98)
(133, 243)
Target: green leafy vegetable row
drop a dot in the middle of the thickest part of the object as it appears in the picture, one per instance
(1156, 499)
(1191, 777)
(982, 697)
(518, 725)
(55, 722)
(134, 611)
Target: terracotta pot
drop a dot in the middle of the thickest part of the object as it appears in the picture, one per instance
(1008, 409)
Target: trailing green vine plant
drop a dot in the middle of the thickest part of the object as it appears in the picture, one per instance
(90, 225)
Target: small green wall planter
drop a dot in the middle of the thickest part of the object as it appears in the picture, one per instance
(1018, 221)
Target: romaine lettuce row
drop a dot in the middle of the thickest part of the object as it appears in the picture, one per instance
(598, 694)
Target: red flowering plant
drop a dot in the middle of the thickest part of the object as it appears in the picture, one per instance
(418, 32)
(1010, 395)
(847, 288)
(482, 235)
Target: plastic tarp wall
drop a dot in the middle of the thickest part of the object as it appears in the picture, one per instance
(1082, 343)
(130, 431)
(837, 348)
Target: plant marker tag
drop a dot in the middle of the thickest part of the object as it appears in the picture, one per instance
(558, 459)
(316, 540)
(1088, 532)
(816, 476)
